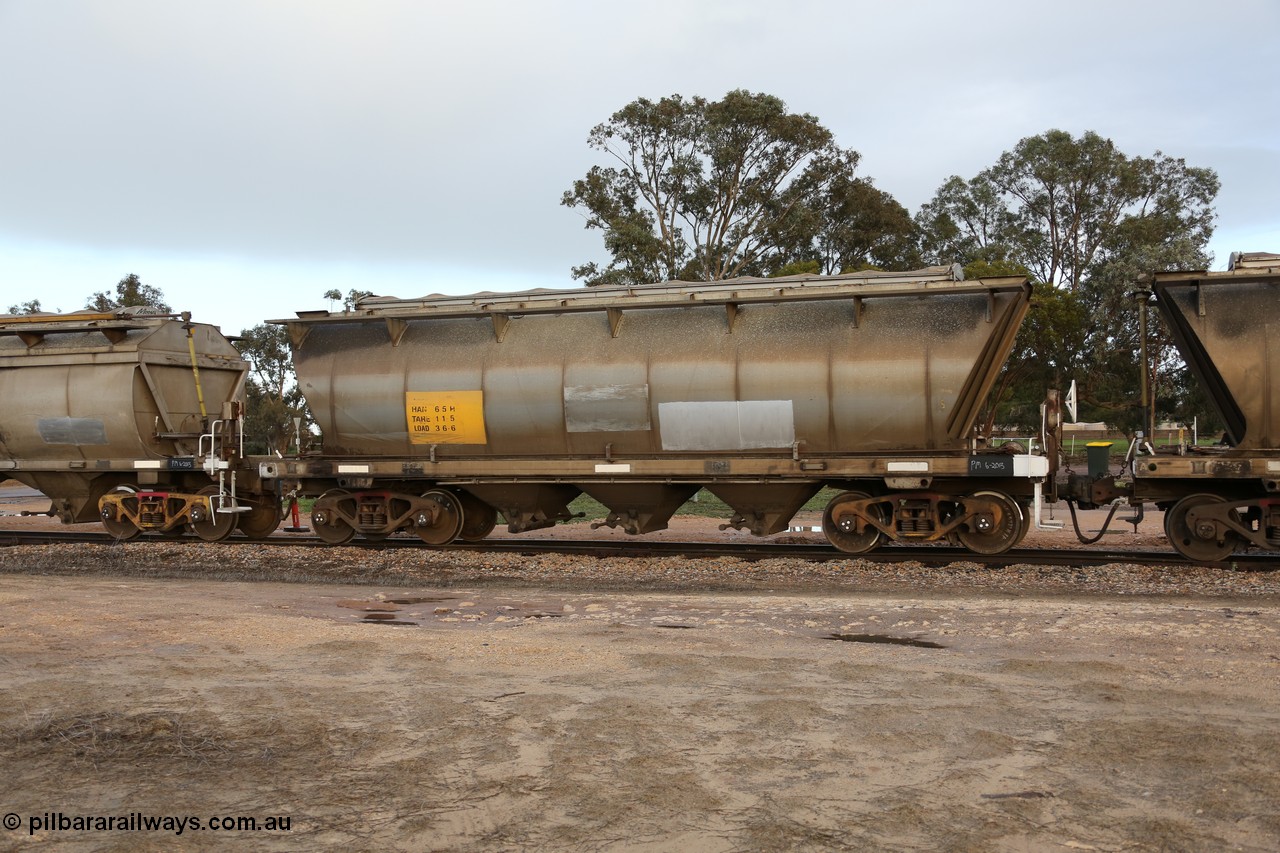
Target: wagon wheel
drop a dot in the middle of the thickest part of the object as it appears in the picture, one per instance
(262, 519)
(1026, 524)
(1000, 533)
(210, 525)
(478, 518)
(448, 523)
(328, 525)
(846, 537)
(121, 528)
(1199, 543)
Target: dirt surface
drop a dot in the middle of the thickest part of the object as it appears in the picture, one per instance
(401, 702)
(536, 719)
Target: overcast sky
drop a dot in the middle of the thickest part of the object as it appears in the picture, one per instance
(245, 156)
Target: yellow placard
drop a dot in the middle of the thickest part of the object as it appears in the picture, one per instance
(445, 417)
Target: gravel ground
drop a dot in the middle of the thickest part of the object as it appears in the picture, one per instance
(405, 567)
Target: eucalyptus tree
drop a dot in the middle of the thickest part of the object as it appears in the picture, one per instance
(350, 300)
(1066, 208)
(1087, 219)
(707, 190)
(130, 292)
(272, 396)
(31, 307)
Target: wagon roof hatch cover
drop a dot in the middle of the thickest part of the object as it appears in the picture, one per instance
(862, 285)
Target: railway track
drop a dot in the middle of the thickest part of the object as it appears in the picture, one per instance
(927, 555)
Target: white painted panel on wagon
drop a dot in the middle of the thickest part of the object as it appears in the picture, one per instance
(727, 425)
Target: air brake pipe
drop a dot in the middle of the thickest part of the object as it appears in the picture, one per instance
(1071, 505)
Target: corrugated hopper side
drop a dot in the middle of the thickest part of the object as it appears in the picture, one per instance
(872, 362)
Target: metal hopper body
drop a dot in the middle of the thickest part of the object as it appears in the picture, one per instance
(761, 390)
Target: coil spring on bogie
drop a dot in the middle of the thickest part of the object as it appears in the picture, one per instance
(914, 517)
(371, 518)
(151, 513)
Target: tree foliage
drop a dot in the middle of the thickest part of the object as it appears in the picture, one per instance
(32, 307)
(1065, 207)
(1085, 221)
(706, 190)
(350, 300)
(130, 292)
(847, 225)
(272, 396)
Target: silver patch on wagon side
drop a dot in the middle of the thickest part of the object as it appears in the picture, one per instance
(74, 431)
(606, 408)
(727, 425)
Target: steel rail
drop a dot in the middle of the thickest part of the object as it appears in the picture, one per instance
(926, 555)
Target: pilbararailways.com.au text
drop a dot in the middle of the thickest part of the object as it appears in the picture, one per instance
(138, 822)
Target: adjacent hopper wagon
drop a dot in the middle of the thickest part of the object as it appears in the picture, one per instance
(1227, 327)
(117, 417)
